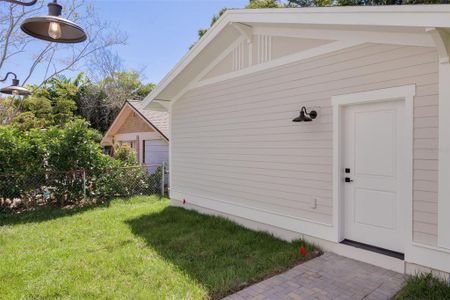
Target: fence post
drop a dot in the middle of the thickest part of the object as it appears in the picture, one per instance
(163, 171)
(84, 184)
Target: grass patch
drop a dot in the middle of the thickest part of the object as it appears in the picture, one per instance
(422, 287)
(140, 248)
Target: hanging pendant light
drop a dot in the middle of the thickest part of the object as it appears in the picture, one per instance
(33, 2)
(14, 89)
(305, 116)
(54, 28)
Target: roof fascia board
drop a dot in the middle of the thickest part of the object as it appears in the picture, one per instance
(188, 57)
(149, 122)
(116, 120)
(407, 16)
(119, 119)
(436, 8)
(208, 69)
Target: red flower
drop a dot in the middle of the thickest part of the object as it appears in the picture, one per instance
(184, 201)
(303, 251)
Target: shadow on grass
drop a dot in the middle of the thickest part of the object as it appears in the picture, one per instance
(219, 254)
(46, 213)
(43, 214)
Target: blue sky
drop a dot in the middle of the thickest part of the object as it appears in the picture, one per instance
(159, 32)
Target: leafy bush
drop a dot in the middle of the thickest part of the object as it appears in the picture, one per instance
(127, 178)
(63, 165)
(22, 151)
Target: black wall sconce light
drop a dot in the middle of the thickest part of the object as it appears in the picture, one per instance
(305, 116)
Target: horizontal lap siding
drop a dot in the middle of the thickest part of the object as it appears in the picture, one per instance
(235, 141)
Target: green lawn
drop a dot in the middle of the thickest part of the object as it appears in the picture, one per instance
(424, 287)
(140, 249)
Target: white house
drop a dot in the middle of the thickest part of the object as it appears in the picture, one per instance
(145, 131)
(369, 177)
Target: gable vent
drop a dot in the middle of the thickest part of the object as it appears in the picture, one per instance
(264, 52)
(238, 57)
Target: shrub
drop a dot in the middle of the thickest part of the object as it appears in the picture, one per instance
(61, 166)
(127, 179)
(424, 286)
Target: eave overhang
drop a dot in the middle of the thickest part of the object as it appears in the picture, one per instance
(414, 18)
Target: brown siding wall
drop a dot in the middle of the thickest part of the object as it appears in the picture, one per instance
(134, 123)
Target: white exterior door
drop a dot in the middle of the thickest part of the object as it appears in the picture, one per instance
(373, 142)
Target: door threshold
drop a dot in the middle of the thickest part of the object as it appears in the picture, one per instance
(375, 249)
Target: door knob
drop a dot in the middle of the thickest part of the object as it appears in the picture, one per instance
(347, 179)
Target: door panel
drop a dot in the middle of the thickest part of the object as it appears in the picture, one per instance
(375, 208)
(375, 149)
(373, 140)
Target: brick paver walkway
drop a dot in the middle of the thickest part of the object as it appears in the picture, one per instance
(329, 276)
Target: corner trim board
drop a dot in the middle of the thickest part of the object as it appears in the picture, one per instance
(444, 157)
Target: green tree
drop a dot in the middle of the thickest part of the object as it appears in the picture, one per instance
(62, 100)
(251, 4)
(128, 84)
(102, 102)
(76, 146)
(307, 3)
(202, 31)
(22, 151)
(264, 4)
(52, 104)
(126, 155)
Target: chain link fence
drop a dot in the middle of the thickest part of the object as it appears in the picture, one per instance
(77, 187)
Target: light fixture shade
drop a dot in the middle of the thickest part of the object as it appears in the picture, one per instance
(15, 89)
(305, 116)
(53, 28)
(38, 27)
(302, 118)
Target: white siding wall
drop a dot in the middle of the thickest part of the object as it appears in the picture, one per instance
(235, 141)
(156, 152)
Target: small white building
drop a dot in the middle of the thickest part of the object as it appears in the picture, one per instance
(145, 131)
(369, 177)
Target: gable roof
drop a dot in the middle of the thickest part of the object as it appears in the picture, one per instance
(158, 120)
(234, 23)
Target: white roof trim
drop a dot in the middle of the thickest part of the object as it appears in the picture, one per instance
(394, 16)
